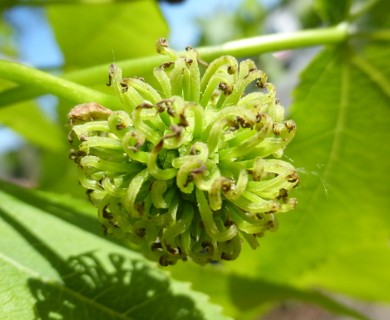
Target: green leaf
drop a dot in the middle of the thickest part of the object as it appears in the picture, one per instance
(363, 273)
(244, 296)
(248, 293)
(31, 123)
(93, 34)
(337, 238)
(75, 211)
(211, 279)
(333, 11)
(342, 112)
(53, 269)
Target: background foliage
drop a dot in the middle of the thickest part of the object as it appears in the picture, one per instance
(56, 264)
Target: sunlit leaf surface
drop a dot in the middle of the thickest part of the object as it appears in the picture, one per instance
(52, 268)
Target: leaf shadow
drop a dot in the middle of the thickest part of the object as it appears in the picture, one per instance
(96, 286)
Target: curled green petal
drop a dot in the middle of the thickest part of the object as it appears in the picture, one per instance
(198, 152)
(145, 90)
(164, 81)
(226, 117)
(225, 64)
(177, 228)
(215, 193)
(209, 223)
(192, 62)
(95, 163)
(212, 85)
(156, 192)
(155, 171)
(133, 190)
(186, 174)
(242, 83)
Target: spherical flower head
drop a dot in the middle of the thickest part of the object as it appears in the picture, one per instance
(191, 168)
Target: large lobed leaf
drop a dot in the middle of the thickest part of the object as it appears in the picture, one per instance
(343, 115)
(337, 238)
(51, 268)
(342, 110)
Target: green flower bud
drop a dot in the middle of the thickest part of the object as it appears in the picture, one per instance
(190, 168)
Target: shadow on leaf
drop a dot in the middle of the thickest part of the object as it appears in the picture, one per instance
(96, 286)
(130, 290)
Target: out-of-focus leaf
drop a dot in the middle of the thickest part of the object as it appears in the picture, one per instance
(59, 174)
(31, 123)
(51, 268)
(7, 40)
(248, 293)
(242, 296)
(363, 273)
(333, 11)
(90, 35)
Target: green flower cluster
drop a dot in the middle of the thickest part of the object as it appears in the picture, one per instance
(190, 168)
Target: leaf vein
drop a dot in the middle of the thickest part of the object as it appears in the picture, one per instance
(62, 289)
(373, 73)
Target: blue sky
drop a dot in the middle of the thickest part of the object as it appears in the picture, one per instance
(182, 18)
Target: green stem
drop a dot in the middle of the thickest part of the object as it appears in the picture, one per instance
(139, 66)
(50, 84)
(277, 42)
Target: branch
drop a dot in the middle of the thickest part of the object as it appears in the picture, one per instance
(45, 82)
(139, 66)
